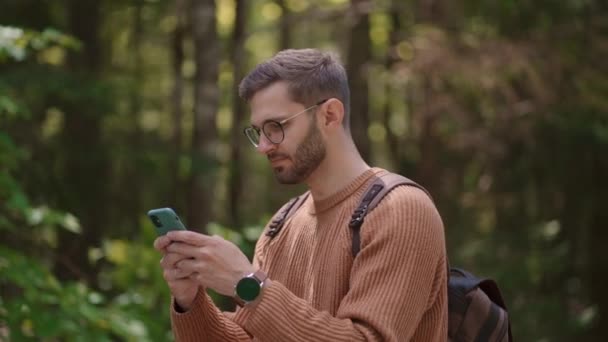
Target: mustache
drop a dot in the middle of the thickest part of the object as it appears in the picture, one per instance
(276, 156)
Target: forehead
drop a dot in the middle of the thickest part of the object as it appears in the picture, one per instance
(272, 103)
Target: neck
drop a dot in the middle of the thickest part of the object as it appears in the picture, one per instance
(341, 166)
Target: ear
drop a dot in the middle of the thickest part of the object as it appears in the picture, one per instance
(331, 114)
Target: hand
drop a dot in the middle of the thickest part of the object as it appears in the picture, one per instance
(183, 285)
(217, 263)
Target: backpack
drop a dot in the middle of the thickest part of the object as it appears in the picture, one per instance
(476, 309)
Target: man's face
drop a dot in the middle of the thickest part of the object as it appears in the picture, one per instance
(302, 149)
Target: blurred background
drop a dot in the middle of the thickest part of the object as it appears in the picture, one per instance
(110, 108)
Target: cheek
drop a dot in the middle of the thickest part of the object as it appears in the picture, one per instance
(286, 150)
(290, 146)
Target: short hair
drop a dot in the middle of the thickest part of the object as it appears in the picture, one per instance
(311, 76)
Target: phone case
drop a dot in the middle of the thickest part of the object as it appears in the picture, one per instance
(165, 220)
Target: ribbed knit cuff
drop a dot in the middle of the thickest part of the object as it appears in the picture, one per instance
(262, 319)
(193, 319)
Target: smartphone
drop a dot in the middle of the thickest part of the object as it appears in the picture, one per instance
(165, 220)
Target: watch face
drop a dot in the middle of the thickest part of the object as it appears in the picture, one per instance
(248, 289)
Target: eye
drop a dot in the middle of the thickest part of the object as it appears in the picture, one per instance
(272, 127)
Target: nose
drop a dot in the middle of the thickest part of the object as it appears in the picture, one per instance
(265, 145)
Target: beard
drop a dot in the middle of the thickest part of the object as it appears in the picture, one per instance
(307, 158)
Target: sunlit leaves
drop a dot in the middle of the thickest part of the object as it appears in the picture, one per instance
(297, 5)
(12, 42)
(116, 251)
(8, 107)
(53, 124)
(405, 50)
(225, 16)
(379, 31)
(376, 132)
(45, 216)
(16, 44)
(271, 11)
(46, 308)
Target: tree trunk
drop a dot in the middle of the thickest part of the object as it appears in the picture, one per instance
(427, 172)
(133, 207)
(598, 262)
(177, 94)
(359, 54)
(285, 33)
(238, 112)
(84, 188)
(391, 59)
(433, 11)
(206, 93)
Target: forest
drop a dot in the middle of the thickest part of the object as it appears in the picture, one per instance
(108, 108)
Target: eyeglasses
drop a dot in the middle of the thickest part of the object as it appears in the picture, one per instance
(273, 130)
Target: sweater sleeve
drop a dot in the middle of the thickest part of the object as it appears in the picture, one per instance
(395, 279)
(205, 322)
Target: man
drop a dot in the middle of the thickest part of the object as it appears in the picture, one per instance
(304, 283)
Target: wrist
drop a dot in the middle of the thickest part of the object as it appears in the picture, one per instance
(183, 304)
(182, 307)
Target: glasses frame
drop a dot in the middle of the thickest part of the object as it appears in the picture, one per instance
(279, 123)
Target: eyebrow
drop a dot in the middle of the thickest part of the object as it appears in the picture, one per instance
(285, 116)
(276, 119)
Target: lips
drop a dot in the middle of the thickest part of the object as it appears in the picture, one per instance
(275, 161)
(275, 157)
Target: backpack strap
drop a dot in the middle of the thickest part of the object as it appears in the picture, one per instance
(375, 192)
(286, 212)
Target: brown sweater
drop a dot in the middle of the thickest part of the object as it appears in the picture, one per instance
(394, 290)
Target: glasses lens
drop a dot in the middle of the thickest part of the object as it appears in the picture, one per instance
(253, 135)
(273, 131)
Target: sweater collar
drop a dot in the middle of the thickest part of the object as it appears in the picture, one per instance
(341, 195)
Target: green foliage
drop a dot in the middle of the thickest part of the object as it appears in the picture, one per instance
(38, 306)
(42, 308)
(10, 190)
(16, 43)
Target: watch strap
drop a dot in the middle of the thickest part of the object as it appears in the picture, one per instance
(260, 276)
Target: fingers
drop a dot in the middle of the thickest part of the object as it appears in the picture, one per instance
(177, 274)
(176, 267)
(171, 259)
(184, 249)
(171, 270)
(190, 237)
(189, 266)
(161, 242)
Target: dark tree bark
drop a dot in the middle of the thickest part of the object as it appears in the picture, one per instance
(359, 54)
(177, 94)
(598, 258)
(427, 169)
(390, 62)
(431, 10)
(85, 165)
(238, 112)
(133, 207)
(206, 94)
(285, 33)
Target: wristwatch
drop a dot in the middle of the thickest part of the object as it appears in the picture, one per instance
(248, 288)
